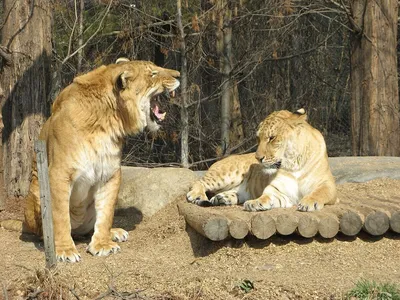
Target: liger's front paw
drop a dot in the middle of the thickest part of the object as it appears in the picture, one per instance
(103, 248)
(119, 235)
(309, 204)
(257, 205)
(194, 196)
(67, 254)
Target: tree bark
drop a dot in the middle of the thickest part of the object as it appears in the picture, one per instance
(184, 94)
(225, 50)
(236, 134)
(375, 101)
(231, 117)
(25, 81)
(224, 47)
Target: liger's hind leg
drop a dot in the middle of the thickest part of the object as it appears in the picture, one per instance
(222, 176)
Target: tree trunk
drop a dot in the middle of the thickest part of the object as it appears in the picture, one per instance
(184, 94)
(231, 117)
(375, 101)
(225, 50)
(25, 80)
(236, 131)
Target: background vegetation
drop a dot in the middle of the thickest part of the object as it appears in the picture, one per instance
(239, 61)
(285, 55)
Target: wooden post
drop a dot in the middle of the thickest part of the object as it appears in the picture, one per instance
(45, 203)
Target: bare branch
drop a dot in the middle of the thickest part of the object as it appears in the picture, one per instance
(92, 36)
(73, 30)
(5, 294)
(74, 293)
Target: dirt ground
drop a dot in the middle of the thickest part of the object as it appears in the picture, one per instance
(164, 259)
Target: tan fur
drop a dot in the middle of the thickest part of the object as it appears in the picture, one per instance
(84, 137)
(290, 167)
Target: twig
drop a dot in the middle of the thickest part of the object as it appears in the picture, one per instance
(107, 293)
(34, 295)
(115, 293)
(74, 293)
(73, 30)
(91, 37)
(4, 291)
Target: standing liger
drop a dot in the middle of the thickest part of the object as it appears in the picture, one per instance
(84, 137)
(290, 167)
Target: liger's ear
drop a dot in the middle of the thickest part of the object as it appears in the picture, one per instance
(122, 80)
(121, 59)
(301, 113)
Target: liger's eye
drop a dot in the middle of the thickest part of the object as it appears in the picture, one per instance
(271, 138)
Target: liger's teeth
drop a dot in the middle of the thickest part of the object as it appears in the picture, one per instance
(172, 94)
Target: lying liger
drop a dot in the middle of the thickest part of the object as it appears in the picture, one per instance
(84, 137)
(289, 168)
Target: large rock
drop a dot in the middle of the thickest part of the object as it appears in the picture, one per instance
(364, 168)
(145, 191)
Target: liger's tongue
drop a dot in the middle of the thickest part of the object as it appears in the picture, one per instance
(157, 113)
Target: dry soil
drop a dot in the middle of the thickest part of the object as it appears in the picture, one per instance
(164, 259)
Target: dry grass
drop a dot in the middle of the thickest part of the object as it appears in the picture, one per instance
(48, 284)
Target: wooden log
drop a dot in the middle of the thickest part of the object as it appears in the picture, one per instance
(45, 203)
(308, 224)
(390, 207)
(287, 223)
(328, 225)
(239, 223)
(350, 221)
(211, 225)
(395, 222)
(263, 225)
(238, 228)
(376, 222)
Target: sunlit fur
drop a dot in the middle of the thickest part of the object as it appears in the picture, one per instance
(290, 167)
(84, 137)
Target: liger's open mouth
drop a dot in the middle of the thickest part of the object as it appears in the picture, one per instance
(157, 113)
